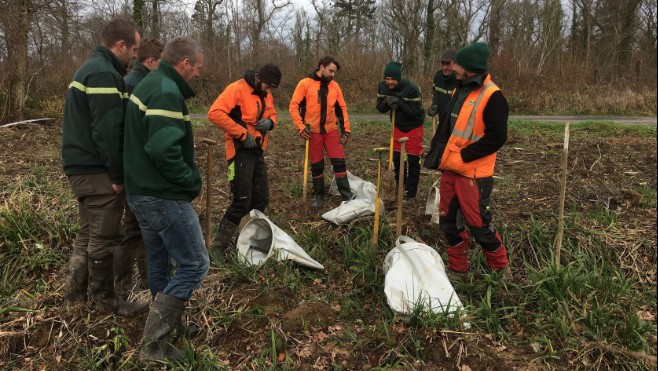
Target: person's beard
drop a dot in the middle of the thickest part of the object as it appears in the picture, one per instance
(326, 79)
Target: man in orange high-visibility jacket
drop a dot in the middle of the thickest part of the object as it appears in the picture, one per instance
(318, 100)
(474, 130)
(245, 112)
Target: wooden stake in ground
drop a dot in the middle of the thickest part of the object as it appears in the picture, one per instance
(398, 223)
(375, 233)
(211, 143)
(563, 189)
(390, 154)
(304, 184)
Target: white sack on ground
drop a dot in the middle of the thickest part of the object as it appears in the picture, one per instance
(363, 203)
(415, 274)
(261, 239)
(432, 206)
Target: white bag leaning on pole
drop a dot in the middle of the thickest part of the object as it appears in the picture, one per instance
(362, 204)
(432, 206)
(415, 275)
(260, 239)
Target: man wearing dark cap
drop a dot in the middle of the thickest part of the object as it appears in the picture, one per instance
(443, 85)
(401, 97)
(245, 112)
(474, 130)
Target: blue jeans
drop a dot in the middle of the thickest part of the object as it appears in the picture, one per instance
(171, 230)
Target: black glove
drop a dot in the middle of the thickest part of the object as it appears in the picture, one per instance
(264, 125)
(345, 137)
(306, 132)
(249, 142)
(392, 102)
(433, 110)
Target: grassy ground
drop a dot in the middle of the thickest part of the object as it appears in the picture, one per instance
(597, 309)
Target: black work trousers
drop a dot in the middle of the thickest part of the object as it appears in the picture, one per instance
(249, 184)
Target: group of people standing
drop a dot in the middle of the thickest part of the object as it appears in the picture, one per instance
(128, 152)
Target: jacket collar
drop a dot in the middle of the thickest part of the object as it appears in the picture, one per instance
(250, 78)
(167, 69)
(110, 57)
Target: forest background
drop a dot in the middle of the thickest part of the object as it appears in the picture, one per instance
(580, 57)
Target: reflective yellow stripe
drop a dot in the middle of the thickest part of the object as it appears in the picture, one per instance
(411, 99)
(88, 90)
(142, 106)
(165, 113)
(468, 130)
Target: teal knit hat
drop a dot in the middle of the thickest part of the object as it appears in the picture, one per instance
(393, 69)
(473, 58)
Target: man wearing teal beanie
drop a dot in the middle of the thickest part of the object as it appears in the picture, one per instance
(402, 97)
(464, 149)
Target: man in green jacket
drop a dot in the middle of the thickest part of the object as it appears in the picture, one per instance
(148, 59)
(161, 181)
(92, 159)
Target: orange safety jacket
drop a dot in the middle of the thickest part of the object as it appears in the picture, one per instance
(320, 104)
(469, 128)
(237, 110)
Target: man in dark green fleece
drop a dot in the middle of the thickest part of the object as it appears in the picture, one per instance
(161, 181)
(402, 99)
(132, 245)
(92, 158)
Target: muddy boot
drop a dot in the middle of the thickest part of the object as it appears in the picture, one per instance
(344, 188)
(76, 283)
(142, 266)
(165, 317)
(318, 191)
(124, 259)
(225, 232)
(101, 287)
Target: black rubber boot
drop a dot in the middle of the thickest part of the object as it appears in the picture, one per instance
(165, 317)
(344, 188)
(142, 266)
(76, 283)
(225, 231)
(318, 191)
(411, 181)
(124, 259)
(101, 289)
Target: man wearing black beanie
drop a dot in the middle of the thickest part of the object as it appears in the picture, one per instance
(466, 144)
(245, 112)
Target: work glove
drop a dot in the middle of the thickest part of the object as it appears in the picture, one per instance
(249, 142)
(392, 102)
(345, 137)
(433, 110)
(264, 125)
(306, 132)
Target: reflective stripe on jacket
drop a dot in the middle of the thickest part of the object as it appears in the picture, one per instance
(469, 128)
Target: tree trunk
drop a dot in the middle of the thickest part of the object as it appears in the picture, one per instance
(21, 57)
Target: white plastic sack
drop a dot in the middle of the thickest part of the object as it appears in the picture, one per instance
(363, 202)
(261, 239)
(414, 275)
(432, 206)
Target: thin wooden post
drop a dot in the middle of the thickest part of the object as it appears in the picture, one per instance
(563, 190)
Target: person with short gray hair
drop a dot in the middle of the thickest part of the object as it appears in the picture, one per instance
(162, 179)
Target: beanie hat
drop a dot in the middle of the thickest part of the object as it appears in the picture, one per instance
(448, 55)
(393, 69)
(473, 58)
(270, 74)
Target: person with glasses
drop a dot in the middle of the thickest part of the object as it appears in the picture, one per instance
(148, 59)
(245, 112)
